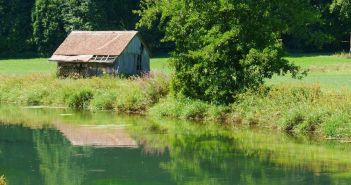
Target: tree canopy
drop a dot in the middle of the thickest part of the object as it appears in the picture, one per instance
(40, 25)
(224, 47)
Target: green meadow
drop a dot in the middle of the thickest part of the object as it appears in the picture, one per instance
(330, 71)
(15, 67)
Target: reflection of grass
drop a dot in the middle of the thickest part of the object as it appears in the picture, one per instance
(192, 145)
(38, 118)
(2, 180)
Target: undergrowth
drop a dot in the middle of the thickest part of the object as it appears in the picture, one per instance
(135, 94)
(301, 109)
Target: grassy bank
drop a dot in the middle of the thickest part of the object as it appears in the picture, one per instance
(107, 93)
(302, 109)
(319, 104)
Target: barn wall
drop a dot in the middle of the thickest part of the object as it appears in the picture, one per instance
(127, 62)
(66, 69)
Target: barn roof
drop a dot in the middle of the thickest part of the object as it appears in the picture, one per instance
(81, 46)
(95, 43)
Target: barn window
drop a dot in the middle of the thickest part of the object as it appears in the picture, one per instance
(103, 58)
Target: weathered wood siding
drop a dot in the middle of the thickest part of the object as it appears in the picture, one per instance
(83, 69)
(127, 62)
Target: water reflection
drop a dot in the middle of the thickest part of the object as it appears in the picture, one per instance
(40, 146)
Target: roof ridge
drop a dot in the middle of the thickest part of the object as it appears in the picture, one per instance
(127, 31)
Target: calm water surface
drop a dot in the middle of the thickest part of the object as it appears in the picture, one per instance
(60, 147)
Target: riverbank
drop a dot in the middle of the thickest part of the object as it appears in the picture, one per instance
(318, 105)
(132, 95)
(302, 109)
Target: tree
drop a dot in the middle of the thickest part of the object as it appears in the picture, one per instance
(48, 26)
(15, 28)
(342, 6)
(224, 47)
(54, 19)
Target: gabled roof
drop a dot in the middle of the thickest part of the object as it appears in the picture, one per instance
(95, 43)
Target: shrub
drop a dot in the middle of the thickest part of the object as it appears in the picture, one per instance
(291, 119)
(80, 100)
(338, 125)
(313, 120)
(195, 110)
(133, 100)
(104, 101)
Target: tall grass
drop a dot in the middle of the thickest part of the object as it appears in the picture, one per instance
(134, 94)
(292, 108)
(301, 109)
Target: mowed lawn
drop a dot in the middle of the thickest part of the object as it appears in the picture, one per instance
(329, 71)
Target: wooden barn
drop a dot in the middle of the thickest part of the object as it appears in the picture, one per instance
(95, 53)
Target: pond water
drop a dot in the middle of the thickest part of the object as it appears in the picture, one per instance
(60, 147)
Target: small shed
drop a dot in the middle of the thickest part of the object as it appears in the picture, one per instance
(95, 53)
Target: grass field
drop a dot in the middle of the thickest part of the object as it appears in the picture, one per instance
(330, 71)
(17, 67)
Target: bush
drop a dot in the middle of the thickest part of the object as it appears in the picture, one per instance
(80, 100)
(185, 108)
(104, 101)
(135, 94)
(338, 126)
(291, 119)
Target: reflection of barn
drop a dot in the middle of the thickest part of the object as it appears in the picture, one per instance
(94, 53)
(106, 136)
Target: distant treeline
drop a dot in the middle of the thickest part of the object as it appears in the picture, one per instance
(39, 26)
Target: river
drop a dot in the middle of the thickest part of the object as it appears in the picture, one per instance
(42, 146)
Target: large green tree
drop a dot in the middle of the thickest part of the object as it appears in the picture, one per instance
(225, 46)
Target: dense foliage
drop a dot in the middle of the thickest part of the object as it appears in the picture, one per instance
(219, 51)
(53, 20)
(40, 25)
(15, 27)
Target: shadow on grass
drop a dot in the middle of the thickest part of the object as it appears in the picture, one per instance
(315, 54)
(19, 55)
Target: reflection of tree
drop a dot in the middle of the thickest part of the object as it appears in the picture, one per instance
(59, 161)
(18, 157)
(211, 155)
